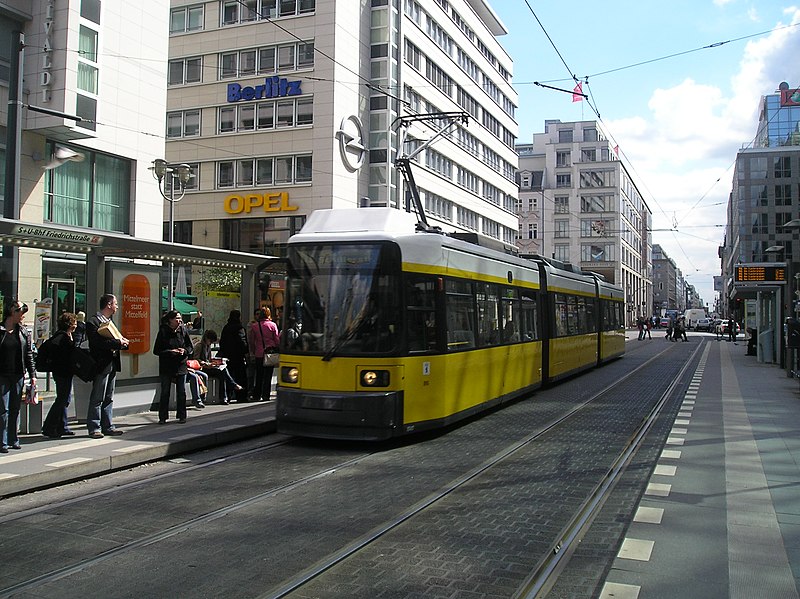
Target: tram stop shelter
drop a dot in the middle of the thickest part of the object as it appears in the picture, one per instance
(765, 283)
(131, 269)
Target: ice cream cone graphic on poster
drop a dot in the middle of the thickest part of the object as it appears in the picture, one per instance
(136, 317)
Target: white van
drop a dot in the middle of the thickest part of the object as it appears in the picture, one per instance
(692, 315)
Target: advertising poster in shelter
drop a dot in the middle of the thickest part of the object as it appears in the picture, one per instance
(138, 292)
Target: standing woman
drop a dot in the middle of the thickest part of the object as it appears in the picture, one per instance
(56, 424)
(16, 358)
(233, 345)
(173, 347)
(263, 337)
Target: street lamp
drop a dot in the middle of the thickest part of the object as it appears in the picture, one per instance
(179, 174)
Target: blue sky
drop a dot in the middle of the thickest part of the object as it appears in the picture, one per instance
(679, 121)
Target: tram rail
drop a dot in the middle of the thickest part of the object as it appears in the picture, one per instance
(299, 578)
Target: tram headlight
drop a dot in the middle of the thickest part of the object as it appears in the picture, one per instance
(374, 378)
(289, 374)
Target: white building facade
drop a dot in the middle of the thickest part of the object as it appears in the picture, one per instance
(102, 62)
(578, 204)
(283, 108)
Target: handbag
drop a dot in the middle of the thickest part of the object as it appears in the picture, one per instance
(83, 365)
(271, 355)
(271, 358)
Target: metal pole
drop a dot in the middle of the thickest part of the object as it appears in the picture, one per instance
(170, 292)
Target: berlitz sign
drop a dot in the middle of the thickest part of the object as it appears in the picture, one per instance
(274, 87)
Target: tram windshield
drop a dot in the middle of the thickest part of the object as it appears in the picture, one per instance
(342, 299)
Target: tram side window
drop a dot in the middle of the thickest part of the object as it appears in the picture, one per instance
(560, 307)
(585, 316)
(572, 315)
(460, 306)
(488, 317)
(591, 315)
(528, 321)
(421, 313)
(510, 315)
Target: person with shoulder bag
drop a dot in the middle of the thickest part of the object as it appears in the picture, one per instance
(57, 353)
(16, 359)
(264, 340)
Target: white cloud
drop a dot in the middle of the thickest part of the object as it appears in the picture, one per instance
(689, 139)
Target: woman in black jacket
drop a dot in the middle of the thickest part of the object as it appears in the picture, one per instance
(233, 345)
(16, 358)
(59, 352)
(173, 347)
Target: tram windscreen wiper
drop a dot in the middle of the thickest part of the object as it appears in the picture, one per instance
(345, 337)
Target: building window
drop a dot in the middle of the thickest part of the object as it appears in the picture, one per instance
(533, 231)
(87, 60)
(595, 228)
(181, 232)
(561, 228)
(260, 235)
(783, 195)
(595, 204)
(590, 134)
(245, 11)
(186, 18)
(277, 170)
(783, 167)
(565, 136)
(588, 155)
(563, 158)
(564, 180)
(597, 252)
(183, 124)
(86, 108)
(561, 204)
(561, 252)
(94, 193)
(266, 115)
(187, 70)
(90, 9)
(597, 178)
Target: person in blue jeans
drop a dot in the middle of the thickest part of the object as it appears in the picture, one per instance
(16, 358)
(105, 351)
(60, 346)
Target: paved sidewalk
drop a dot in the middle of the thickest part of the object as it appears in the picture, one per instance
(44, 462)
(721, 515)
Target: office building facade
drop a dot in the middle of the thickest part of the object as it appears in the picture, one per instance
(578, 204)
(283, 108)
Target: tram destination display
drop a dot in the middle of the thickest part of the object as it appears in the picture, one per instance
(760, 273)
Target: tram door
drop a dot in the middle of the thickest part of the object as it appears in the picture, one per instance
(62, 292)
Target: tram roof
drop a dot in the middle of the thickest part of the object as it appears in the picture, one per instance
(115, 245)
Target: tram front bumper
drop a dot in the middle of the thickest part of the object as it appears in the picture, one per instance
(326, 415)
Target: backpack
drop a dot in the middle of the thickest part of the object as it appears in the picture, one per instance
(45, 357)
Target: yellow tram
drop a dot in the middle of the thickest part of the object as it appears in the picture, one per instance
(388, 330)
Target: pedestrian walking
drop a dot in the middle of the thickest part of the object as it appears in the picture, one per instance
(105, 350)
(647, 327)
(59, 356)
(640, 326)
(173, 347)
(16, 359)
(732, 331)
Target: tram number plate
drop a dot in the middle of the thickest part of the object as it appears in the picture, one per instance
(322, 403)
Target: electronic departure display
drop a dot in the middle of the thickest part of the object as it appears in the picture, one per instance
(759, 273)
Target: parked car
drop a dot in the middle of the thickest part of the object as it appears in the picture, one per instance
(704, 324)
(724, 327)
(664, 323)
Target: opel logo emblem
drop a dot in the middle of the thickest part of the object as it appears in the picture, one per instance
(351, 143)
